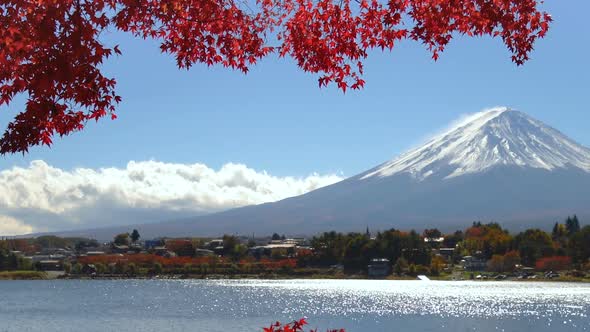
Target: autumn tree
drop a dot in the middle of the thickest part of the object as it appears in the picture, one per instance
(511, 259)
(496, 263)
(553, 263)
(504, 263)
(489, 239)
(51, 50)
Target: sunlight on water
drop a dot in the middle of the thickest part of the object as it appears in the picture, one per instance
(247, 305)
(459, 299)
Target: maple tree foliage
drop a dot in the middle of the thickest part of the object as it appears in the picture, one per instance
(51, 51)
(296, 326)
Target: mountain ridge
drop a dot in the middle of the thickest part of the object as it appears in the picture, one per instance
(498, 136)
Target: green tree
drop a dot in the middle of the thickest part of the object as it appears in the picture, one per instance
(120, 268)
(204, 268)
(50, 241)
(157, 268)
(100, 268)
(533, 244)
(357, 252)
(232, 248)
(132, 269)
(433, 233)
(24, 263)
(77, 268)
(400, 266)
(579, 246)
(572, 225)
(278, 254)
(135, 236)
(559, 232)
(122, 239)
(451, 240)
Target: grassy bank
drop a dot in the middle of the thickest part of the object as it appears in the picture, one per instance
(22, 275)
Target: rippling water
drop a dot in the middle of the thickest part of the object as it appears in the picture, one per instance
(247, 305)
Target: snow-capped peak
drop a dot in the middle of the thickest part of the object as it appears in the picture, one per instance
(499, 136)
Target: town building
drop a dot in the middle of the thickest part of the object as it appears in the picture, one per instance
(379, 268)
(472, 263)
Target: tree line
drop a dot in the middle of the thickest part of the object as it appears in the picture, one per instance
(567, 244)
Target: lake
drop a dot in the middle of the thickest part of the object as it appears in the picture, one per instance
(247, 305)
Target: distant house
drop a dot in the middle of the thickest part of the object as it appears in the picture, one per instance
(57, 251)
(286, 249)
(151, 244)
(204, 253)
(298, 241)
(471, 263)
(434, 239)
(88, 250)
(159, 251)
(95, 253)
(120, 249)
(447, 253)
(49, 265)
(379, 268)
(89, 269)
(214, 244)
(524, 271)
(39, 258)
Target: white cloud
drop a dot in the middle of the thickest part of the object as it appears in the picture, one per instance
(10, 226)
(49, 198)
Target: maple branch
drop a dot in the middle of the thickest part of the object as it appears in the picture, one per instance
(51, 50)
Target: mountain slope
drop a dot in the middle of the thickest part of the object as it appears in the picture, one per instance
(498, 165)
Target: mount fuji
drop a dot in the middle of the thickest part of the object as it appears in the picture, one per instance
(499, 165)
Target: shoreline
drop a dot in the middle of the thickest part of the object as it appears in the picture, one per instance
(35, 275)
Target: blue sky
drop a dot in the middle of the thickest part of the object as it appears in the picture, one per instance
(276, 118)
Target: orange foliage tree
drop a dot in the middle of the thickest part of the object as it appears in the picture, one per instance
(51, 50)
(489, 238)
(553, 263)
(148, 260)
